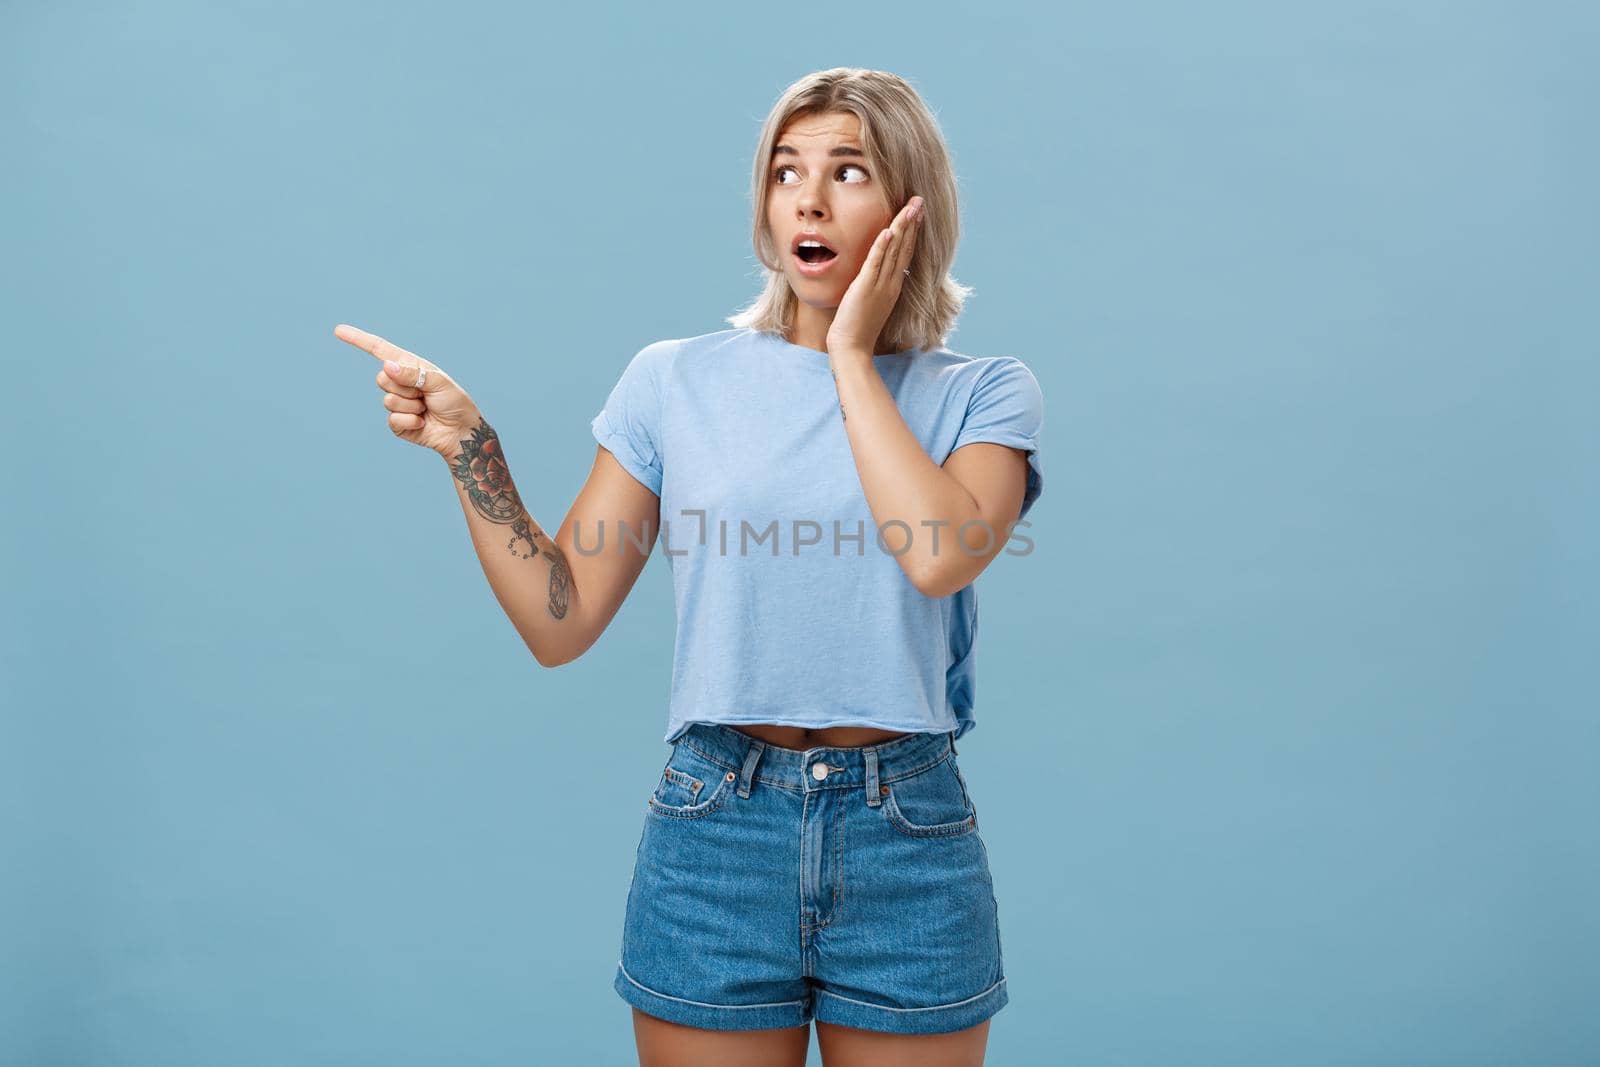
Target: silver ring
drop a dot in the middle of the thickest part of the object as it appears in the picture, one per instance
(422, 376)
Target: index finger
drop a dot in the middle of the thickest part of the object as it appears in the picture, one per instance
(371, 342)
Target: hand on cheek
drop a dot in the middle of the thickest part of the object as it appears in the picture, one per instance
(875, 290)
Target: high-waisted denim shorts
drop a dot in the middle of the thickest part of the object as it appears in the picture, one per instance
(774, 886)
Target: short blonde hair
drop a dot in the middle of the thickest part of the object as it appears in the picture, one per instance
(908, 154)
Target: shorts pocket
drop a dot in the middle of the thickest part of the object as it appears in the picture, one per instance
(677, 789)
(931, 803)
(691, 785)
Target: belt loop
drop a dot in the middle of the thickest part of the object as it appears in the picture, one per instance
(952, 742)
(872, 777)
(749, 772)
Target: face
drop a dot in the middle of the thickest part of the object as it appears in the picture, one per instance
(818, 183)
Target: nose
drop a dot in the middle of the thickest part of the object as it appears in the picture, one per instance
(811, 204)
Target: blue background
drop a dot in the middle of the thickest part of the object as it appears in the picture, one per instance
(1287, 743)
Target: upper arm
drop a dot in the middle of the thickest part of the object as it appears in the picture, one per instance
(614, 521)
(1005, 407)
(996, 458)
(611, 528)
(997, 477)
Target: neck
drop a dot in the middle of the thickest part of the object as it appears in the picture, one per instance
(810, 329)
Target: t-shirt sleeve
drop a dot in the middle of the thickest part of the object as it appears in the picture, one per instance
(629, 425)
(1006, 407)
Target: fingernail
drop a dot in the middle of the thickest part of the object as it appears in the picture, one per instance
(392, 367)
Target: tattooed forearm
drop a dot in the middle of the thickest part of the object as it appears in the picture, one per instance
(481, 469)
(525, 529)
(560, 580)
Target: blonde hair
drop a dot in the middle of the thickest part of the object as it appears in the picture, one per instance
(907, 153)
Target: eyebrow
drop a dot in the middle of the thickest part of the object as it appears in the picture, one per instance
(841, 150)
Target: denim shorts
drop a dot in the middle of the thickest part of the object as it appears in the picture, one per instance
(774, 886)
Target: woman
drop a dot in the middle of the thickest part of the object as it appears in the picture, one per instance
(810, 851)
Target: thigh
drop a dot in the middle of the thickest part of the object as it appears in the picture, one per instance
(845, 1046)
(668, 1044)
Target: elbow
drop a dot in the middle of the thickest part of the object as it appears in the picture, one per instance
(939, 590)
(567, 639)
(548, 656)
(557, 660)
(939, 578)
(554, 654)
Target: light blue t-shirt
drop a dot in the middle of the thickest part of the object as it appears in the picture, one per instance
(790, 609)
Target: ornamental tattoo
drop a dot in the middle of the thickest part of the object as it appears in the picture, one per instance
(481, 469)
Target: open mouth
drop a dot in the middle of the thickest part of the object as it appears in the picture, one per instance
(813, 258)
(814, 252)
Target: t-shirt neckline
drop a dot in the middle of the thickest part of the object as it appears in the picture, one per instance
(819, 356)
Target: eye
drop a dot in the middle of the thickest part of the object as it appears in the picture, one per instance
(778, 174)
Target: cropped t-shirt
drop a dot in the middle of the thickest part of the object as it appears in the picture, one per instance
(791, 607)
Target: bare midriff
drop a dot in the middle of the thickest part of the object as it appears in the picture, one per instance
(802, 737)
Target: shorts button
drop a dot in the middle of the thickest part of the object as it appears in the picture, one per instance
(883, 790)
(819, 770)
(730, 776)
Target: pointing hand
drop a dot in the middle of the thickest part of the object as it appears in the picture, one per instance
(438, 415)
